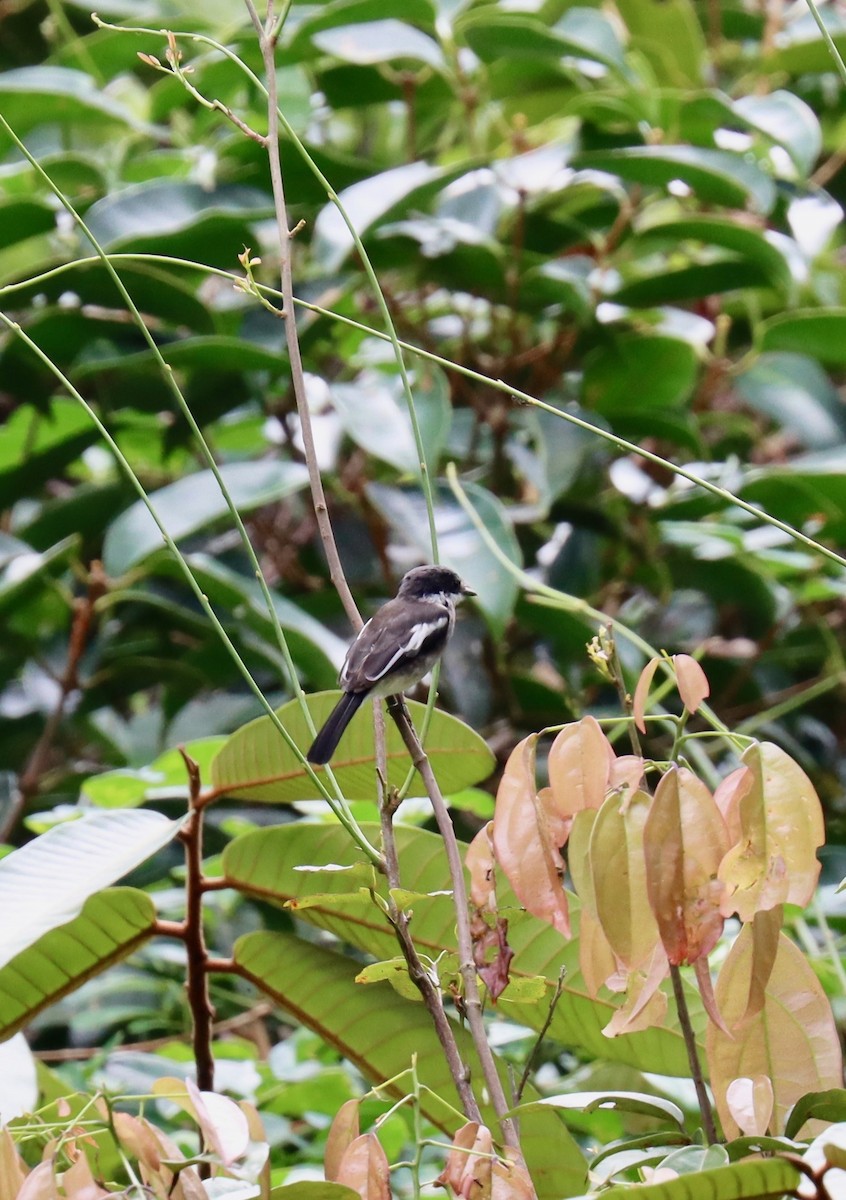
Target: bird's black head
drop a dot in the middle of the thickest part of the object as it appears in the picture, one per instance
(423, 583)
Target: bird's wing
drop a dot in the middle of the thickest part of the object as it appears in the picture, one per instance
(388, 640)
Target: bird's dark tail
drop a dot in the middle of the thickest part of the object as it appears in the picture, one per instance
(324, 745)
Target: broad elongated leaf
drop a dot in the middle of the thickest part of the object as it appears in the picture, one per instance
(579, 766)
(267, 864)
(751, 1180)
(821, 335)
(714, 175)
(527, 835)
(47, 881)
(619, 878)
(127, 788)
(637, 1102)
(379, 41)
(379, 1031)
(793, 390)
(110, 926)
(256, 763)
(684, 841)
(781, 826)
(749, 244)
(792, 1040)
(194, 502)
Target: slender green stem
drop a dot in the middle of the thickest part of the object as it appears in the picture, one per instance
(340, 811)
(829, 41)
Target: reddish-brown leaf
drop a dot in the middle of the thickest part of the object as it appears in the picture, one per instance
(792, 1040)
(766, 931)
(469, 1166)
(691, 681)
(642, 693)
(135, 1135)
(781, 823)
(479, 861)
(364, 1168)
(579, 764)
(618, 869)
(706, 992)
(492, 970)
(527, 838)
(685, 840)
(342, 1133)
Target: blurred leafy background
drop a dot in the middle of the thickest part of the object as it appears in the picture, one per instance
(629, 210)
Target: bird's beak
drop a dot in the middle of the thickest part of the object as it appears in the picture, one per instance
(467, 591)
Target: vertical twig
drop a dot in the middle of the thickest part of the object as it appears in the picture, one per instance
(467, 967)
(29, 781)
(693, 1057)
(197, 984)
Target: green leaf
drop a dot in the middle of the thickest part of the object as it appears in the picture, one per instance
(693, 282)
(788, 121)
(37, 446)
(665, 370)
(159, 215)
(166, 775)
(267, 864)
(758, 1179)
(25, 572)
(460, 544)
(636, 1102)
(669, 35)
(581, 33)
(22, 218)
(820, 335)
(378, 42)
(714, 175)
(380, 1032)
(194, 502)
(816, 1106)
(795, 392)
(111, 925)
(750, 244)
(313, 1189)
(48, 880)
(256, 763)
(801, 48)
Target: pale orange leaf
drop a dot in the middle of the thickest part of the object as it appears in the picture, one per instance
(792, 1040)
(781, 823)
(618, 868)
(645, 1006)
(730, 791)
(479, 861)
(78, 1182)
(135, 1135)
(684, 841)
(691, 681)
(579, 763)
(12, 1171)
(511, 1180)
(342, 1133)
(223, 1124)
(469, 1165)
(626, 772)
(596, 958)
(641, 694)
(706, 991)
(750, 1102)
(364, 1168)
(527, 838)
(40, 1184)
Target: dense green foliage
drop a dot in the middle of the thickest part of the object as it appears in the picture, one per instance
(628, 213)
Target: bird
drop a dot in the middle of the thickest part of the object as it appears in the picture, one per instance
(395, 649)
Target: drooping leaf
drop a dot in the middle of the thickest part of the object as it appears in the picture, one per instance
(193, 502)
(792, 1040)
(364, 1168)
(750, 1102)
(527, 835)
(344, 1129)
(579, 765)
(641, 693)
(111, 925)
(691, 681)
(781, 827)
(684, 841)
(49, 879)
(618, 868)
(256, 763)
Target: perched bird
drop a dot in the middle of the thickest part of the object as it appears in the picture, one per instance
(395, 649)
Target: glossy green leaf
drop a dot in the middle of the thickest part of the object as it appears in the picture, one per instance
(820, 335)
(714, 175)
(159, 214)
(668, 34)
(266, 864)
(632, 372)
(581, 33)
(380, 1032)
(167, 775)
(756, 1179)
(112, 924)
(637, 1102)
(49, 879)
(461, 546)
(194, 502)
(26, 572)
(794, 391)
(789, 121)
(816, 1106)
(750, 244)
(802, 48)
(256, 763)
(22, 218)
(694, 282)
(379, 41)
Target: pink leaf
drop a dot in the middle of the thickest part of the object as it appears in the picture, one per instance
(642, 692)
(691, 681)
